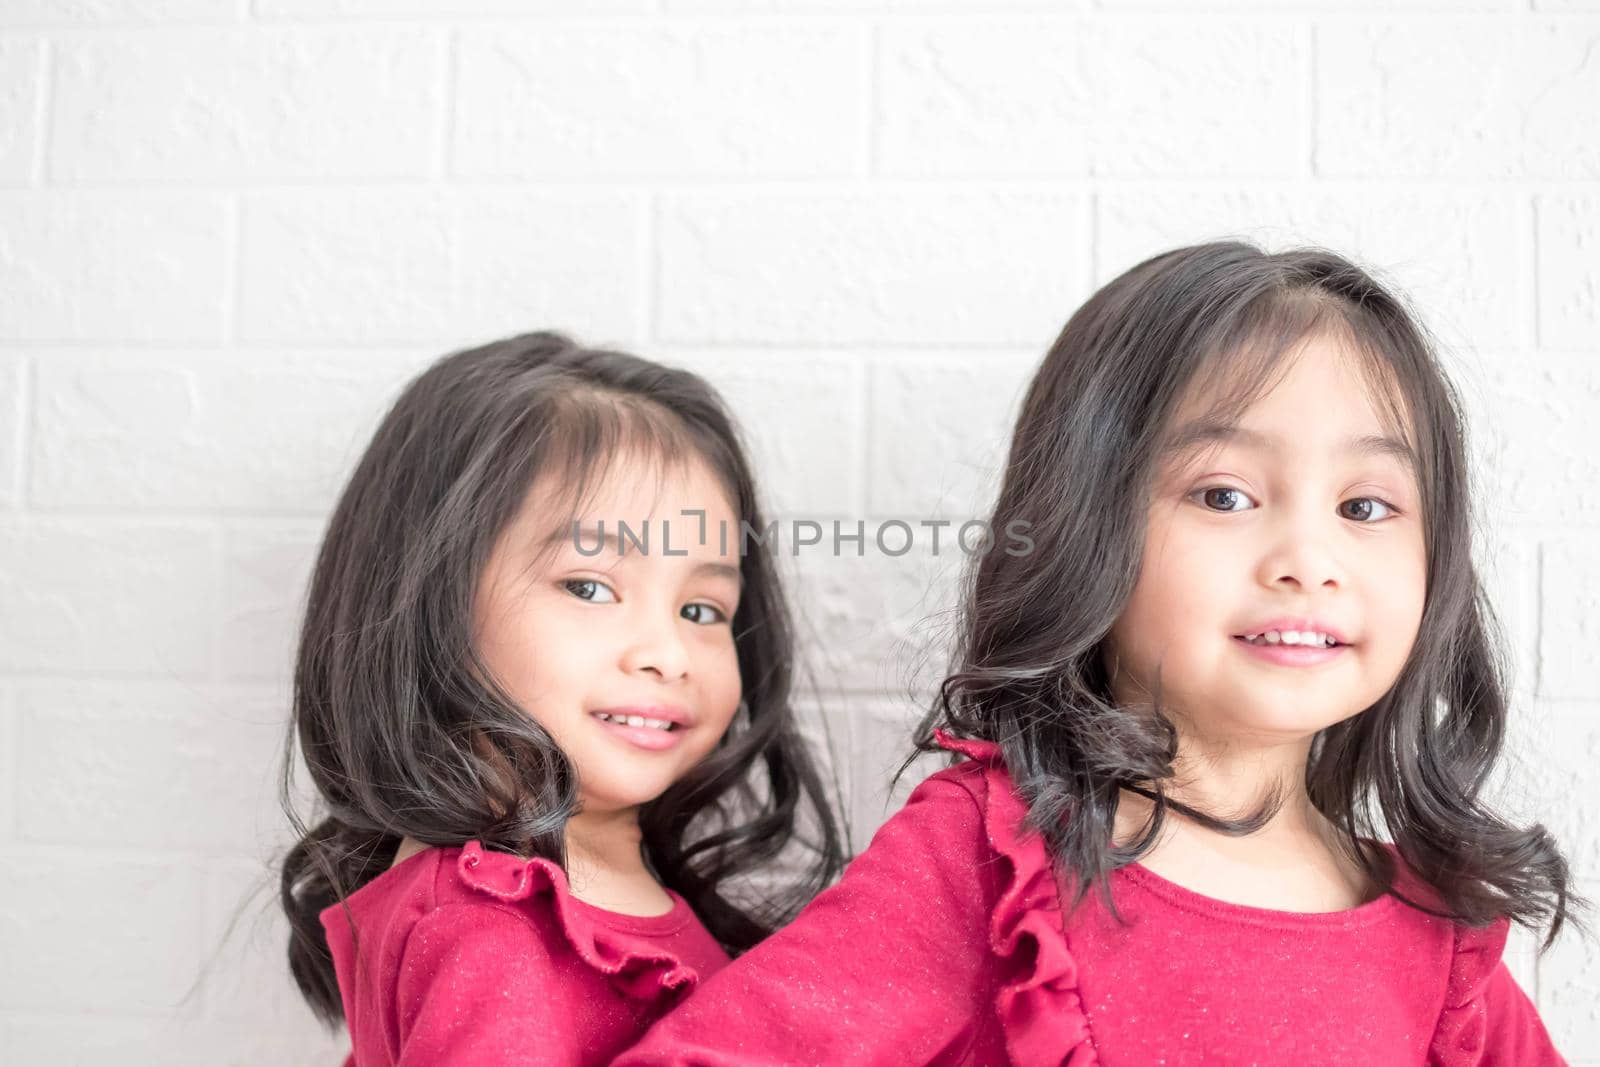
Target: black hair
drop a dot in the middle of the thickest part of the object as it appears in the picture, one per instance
(1030, 672)
(399, 722)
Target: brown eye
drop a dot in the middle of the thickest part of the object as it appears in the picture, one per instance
(589, 589)
(1363, 513)
(1220, 497)
(704, 614)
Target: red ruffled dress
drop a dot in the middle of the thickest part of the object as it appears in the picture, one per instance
(469, 956)
(945, 943)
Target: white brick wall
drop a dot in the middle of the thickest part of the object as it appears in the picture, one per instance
(229, 229)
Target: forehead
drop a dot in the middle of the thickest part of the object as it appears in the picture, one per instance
(1321, 398)
(629, 485)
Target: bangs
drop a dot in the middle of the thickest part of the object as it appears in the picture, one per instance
(1237, 364)
(590, 436)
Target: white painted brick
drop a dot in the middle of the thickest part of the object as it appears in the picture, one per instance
(801, 415)
(244, 938)
(941, 428)
(1569, 271)
(914, 266)
(1106, 97)
(1570, 575)
(881, 735)
(1565, 743)
(21, 61)
(123, 764)
(79, 597)
(1004, 97)
(113, 12)
(13, 428)
(161, 1042)
(1569, 988)
(1453, 254)
(1321, 7)
(206, 431)
(133, 944)
(1509, 571)
(708, 99)
(266, 570)
(448, 8)
(869, 622)
(1506, 99)
(249, 104)
(408, 267)
(859, 7)
(1539, 427)
(128, 267)
(8, 766)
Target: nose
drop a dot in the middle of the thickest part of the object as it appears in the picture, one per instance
(1301, 556)
(656, 647)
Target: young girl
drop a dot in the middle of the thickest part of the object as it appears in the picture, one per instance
(543, 691)
(1248, 635)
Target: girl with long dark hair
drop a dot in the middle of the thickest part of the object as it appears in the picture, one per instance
(543, 692)
(1226, 728)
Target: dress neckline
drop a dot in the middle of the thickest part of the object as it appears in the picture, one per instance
(1192, 900)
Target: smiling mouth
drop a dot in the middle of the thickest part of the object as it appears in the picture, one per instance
(1274, 639)
(638, 722)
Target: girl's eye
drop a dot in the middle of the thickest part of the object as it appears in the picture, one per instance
(1366, 513)
(704, 614)
(1221, 492)
(590, 590)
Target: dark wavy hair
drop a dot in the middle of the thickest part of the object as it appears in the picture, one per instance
(400, 725)
(1029, 669)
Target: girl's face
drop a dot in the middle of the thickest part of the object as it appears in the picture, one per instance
(646, 635)
(1286, 517)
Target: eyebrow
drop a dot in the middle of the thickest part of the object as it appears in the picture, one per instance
(589, 535)
(1206, 431)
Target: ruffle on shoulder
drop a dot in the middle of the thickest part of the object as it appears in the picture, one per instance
(636, 971)
(1462, 1031)
(1038, 1005)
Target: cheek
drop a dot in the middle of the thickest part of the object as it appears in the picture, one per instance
(721, 687)
(1400, 595)
(722, 674)
(539, 662)
(1184, 579)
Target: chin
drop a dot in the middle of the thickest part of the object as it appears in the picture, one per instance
(634, 796)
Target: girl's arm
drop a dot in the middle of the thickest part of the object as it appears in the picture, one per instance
(1514, 1034)
(475, 982)
(892, 965)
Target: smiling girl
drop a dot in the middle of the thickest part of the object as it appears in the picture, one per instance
(549, 748)
(1226, 729)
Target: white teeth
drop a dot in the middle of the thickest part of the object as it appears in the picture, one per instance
(634, 720)
(1292, 637)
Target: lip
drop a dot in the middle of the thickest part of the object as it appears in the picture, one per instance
(666, 712)
(1301, 623)
(1291, 655)
(646, 737)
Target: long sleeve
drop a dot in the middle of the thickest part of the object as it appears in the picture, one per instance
(476, 986)
(1515, 1035)
(1487, 1020)
(889, 966)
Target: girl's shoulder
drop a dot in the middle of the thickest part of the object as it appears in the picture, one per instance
(1038, 1003)
(482, 900)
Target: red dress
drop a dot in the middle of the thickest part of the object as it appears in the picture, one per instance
(945, 942)
(475, 957)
